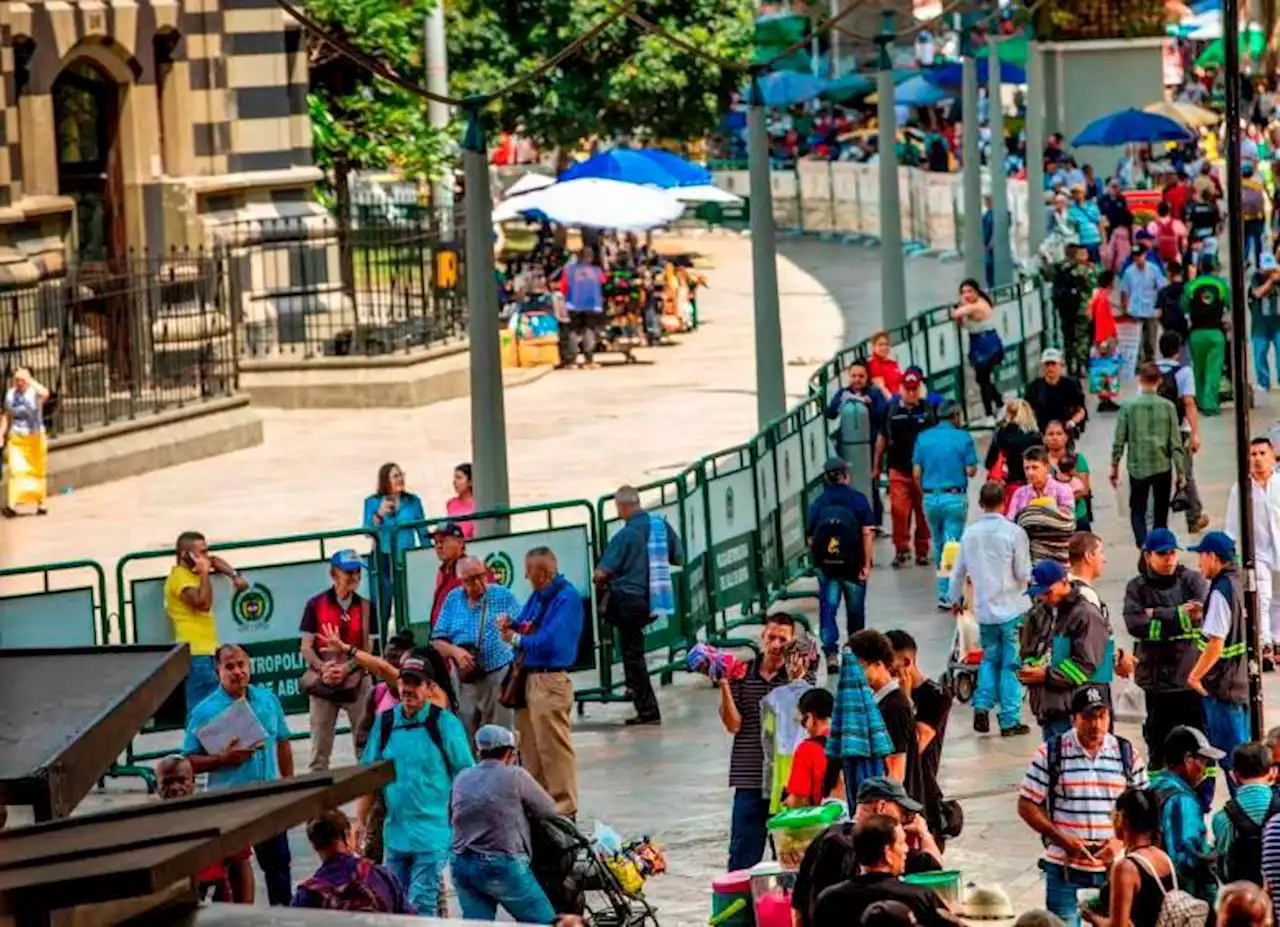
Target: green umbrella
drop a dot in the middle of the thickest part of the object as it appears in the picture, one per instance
(849, 87)
(781, 29)
(1012, 50)
(1252, 44)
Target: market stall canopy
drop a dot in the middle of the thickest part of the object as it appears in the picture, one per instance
(1131, 125)
(951, 75)
(917, 92)
(623, 164)
(529, 182)
(57, 747)
(849, 87)
(596, 203)
(787, 88)
(1252, 44)
(1186, 113)
(685, 172)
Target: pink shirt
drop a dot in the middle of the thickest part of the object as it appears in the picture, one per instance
(1059, 492)
(456, 508)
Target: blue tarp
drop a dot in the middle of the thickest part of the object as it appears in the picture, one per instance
(951, 75)
(1131, 125)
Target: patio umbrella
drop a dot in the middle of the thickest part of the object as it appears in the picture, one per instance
(530, 182)
(704, 193)
(787, 88)
(595, 203)
(849, 87)
(916, 92)
(685, 172)
(1186, 113)
(950, 75)
(1131, 125)
(622, 164)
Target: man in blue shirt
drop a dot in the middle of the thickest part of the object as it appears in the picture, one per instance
(246, 764)
(547, 636)
(840, 528)
(428, 747)
(943, 460)
(623, 575)
(469, 632)
(1140, 284)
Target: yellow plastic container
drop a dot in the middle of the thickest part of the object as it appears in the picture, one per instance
(507, 347)
(536, 352)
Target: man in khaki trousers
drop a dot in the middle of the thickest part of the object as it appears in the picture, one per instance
(546, 637)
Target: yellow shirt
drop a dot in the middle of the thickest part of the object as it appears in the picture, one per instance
(190, 626)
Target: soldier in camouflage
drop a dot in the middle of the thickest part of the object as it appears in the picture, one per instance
(1073, 284)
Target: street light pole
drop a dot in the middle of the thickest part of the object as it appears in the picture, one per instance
(488, 411)
(1239, 376)
(893, 274)
(1001, 254)
(771, 393)
(972, 154)
(436, 56)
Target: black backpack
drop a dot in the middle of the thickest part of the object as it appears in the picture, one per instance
(1168, 388)
(432, 724)
(1243, 861)
(837, 545)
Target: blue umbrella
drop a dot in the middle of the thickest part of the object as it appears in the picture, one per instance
(787, 88)
(686, 173)
(622, 164)
(919, 92)
(950, 75)
(1131, 125)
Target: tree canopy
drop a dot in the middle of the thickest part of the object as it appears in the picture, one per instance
(625, 81)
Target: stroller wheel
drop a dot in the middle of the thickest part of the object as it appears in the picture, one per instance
(963, 687)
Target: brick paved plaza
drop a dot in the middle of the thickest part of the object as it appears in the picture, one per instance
(578, 434)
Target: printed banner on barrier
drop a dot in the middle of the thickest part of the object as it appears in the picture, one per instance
(264, 619)
(767, 508)
(787, 455)
(504, 556)
(695, 553)
(731, 513)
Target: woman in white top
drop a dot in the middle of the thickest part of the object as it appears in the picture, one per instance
(976, 315)
(26, 446)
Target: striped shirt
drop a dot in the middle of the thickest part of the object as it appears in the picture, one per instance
(1086, 792)
(746, 758)
(1271, 858)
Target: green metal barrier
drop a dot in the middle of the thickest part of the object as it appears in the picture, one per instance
(263, 618)
(54, 609)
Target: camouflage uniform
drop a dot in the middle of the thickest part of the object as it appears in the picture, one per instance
(1072, 287)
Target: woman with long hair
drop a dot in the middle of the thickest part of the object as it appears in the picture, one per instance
(1135, 891)
(463, 503)
(1015, 435)
(398, 518)
(1070, 467)
(976, 314)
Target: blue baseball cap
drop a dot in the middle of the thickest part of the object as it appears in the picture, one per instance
(1160, 541)
(1044, 575)
(348, 561)
(1219, 544)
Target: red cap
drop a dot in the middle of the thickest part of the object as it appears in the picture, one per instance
(911, 378)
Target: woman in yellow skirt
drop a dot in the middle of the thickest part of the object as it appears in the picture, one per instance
(26, 446)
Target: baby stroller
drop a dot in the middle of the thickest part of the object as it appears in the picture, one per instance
(961, 675)
(578, 882)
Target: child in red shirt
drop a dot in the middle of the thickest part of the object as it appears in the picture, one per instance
(806, 785)
(882, 369)
(1105, 362)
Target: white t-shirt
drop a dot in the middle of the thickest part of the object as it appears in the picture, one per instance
(1217, 617)
(1185, 380)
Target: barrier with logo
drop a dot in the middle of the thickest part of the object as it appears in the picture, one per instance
(54, 605)
(567, 529)
(281, 573)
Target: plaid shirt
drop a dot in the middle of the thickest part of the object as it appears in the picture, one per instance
(857, 729)
(460, 619)
(1148, 425)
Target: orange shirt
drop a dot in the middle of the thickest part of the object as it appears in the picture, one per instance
(1104, 320)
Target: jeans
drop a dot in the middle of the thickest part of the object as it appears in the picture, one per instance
(946, 513)
(629, 615)
(905, 503)
(1226, 724)
(1055, 728)
(202, 681)
(484, 881)
(274, 860)
(1061, 886)
(385, 589)
(1160, 487)
(855, 769)
(998, 685)
(1253, 248)
(855, 605)
(747, 832)
(419, 874)
(1262, 345)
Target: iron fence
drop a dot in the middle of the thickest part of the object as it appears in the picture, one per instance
(118, 341)
(377, 280)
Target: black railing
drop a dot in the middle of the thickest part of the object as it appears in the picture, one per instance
(382, 280)
(122, 340)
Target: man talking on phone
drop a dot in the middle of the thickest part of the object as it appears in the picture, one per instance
(1067, 797)
(188, 601)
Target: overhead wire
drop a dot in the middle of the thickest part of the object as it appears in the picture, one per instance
(819, 29)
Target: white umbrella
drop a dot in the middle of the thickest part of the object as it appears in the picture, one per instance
(596, 203)
(704, 193)
(530, 182)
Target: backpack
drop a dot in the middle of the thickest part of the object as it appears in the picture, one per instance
(431, 723)
(1053, 768)
(355, 895)
(1168, 388)
(1178, 908)
(1252, 201)
(1244, 859)
(837, 543)
(1166, 240)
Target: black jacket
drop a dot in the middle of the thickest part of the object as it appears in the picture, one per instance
(1166, 639)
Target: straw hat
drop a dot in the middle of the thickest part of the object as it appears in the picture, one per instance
(987, 903)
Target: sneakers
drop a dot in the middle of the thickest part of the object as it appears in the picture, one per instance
(639, 720)
(900, 559)
(1198, 525)
(981, 721)
(833, 664)
(944, 604)
(922, 559)
(1016, 730)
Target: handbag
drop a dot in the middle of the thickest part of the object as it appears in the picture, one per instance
(985, 348)
(1180, 502)
(477, 670)
(512, 695)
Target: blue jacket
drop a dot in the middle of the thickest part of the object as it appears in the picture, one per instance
(397, 524)
(555, 613)
(1182, 826)
(874, 400)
